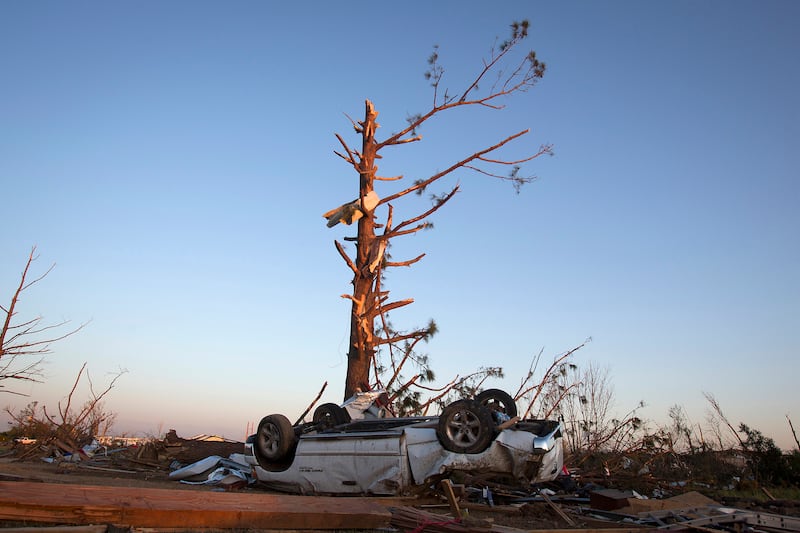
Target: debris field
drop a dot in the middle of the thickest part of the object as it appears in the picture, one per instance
(45, 486)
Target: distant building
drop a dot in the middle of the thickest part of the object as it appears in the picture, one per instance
(211, 438)
(113, 441)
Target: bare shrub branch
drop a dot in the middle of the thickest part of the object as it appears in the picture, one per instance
(71, 425)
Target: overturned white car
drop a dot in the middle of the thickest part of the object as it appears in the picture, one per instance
(354, 449)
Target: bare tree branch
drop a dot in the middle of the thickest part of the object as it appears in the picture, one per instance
(24, 344)
(718, 410)
(346, 257)
(408, 262)
(794, 434)
(311, 406)
(513, 73)
(70, 425)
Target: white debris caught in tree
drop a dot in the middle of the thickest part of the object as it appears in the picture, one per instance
(352, 211)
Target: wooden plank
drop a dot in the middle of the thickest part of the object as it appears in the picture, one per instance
(410, 518)
(557, 509)
(56, 529)
(447, 487)
(507, 424)
(500, 529)
(502, 509)
(174, 508)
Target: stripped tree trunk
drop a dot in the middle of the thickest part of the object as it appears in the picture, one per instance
(362, 317)
(369, 300)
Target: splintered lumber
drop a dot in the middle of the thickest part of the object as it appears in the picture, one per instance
(447, 487)
(412, 519)
(170, 508)
(557, 509)
(57, 529)
(409, 518)
(632, 529)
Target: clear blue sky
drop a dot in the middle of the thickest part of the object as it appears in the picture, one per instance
(174, 160)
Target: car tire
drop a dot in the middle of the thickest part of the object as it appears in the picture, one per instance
(329, 415)
(275, 439)
(498, 400)
(465, 426)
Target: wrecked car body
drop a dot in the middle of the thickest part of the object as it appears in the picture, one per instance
(378, 455)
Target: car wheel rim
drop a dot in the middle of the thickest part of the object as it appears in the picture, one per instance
(270, 438)
(464, 428)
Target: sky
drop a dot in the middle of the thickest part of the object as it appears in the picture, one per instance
(173, 160)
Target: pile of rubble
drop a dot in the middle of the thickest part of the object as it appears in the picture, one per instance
(601, 509)
(151, 459)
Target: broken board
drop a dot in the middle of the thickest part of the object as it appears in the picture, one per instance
(170, 508)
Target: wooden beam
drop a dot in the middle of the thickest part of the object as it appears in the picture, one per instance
(447, 487)
(188, 509)
(633, 529)
(57, 529)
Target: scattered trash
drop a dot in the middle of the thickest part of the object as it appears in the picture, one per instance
(150, 458)
(199, 468)
(214, 470)
(223, 476)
